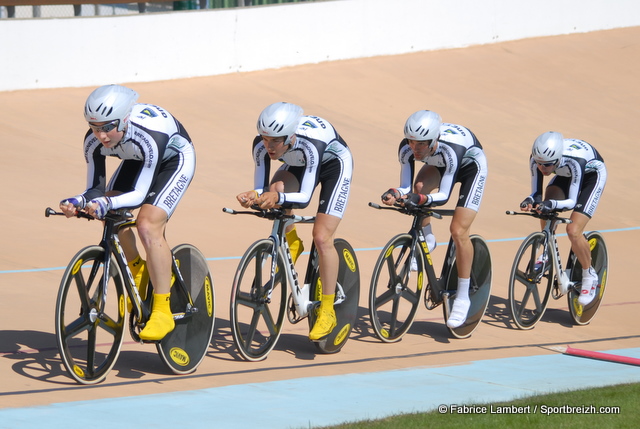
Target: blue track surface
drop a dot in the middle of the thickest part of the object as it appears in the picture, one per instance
(289, 403)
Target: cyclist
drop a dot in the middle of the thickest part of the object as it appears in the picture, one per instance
(158, 164)
(312, 153)
(450, 153)
(580, 177)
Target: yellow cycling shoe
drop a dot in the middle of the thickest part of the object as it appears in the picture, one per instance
(325, 323)
(158, 326)
(161, 321)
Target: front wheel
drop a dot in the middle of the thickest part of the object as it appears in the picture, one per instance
(258, 301)
(193, 308)
(530, 285)
(347, 297)
(90, 315)
(479, 288)
(600, 262)
(396, 286)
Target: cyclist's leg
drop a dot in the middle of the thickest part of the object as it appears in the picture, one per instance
(171, 182)
(151, 224)
(588, 199)
(335, 179)
(460, 231)
(324, 230)
(472, 180)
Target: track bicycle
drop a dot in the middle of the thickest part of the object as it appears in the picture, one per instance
(90, 308)
(265, 273)
(396, 287)
(537, 273)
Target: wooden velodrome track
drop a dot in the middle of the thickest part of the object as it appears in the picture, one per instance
(583, 85)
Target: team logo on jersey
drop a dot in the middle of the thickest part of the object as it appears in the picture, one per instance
(309, 124)
(149, 112)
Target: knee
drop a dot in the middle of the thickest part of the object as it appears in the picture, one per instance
(323, 242)
(574, 232)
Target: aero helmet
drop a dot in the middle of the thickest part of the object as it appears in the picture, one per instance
(423, 125)
(109, 103)
(548, 147)
(279, 120)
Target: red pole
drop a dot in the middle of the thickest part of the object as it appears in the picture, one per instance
(602, 356)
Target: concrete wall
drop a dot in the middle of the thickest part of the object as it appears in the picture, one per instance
(51, 53)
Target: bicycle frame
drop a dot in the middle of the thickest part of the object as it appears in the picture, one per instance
(300, 294)
(562, 276)
(417, 236)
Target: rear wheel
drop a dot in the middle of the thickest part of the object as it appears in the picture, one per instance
(346, 301)
(582, 315)
(90, 315)
(193, 307)
(479, 288)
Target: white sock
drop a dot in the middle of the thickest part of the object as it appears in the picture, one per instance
(463, 289)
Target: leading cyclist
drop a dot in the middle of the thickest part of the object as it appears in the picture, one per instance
(158, 164)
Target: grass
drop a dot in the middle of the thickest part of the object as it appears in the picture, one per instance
(620, 405)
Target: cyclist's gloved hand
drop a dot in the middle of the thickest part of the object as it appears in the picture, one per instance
(545, 207)
(527, 202)
(100, 207)
(390, 196)
(70, 206)
(415, 200)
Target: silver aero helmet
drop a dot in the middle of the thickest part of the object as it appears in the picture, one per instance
(548, 147)
(279, 120)
(423, 125)
(110, 103)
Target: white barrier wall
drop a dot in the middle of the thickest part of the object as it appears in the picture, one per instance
(50, 53)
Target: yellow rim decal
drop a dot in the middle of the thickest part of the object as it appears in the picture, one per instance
(77, 266)
(592, 243)
(577, 307)
(389, 251)
(208, 294)
(342, 335)
(384, 333)
(179, 356)
(420, 279)
(348, 258)
(79, 372)
(603, 284)
(121, 305)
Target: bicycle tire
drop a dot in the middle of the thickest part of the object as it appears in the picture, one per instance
(600, 262)
(479, 288)
(184, 348)
(395, 291)
(529, 290)
(347, 310)
(257, 310)
(89, 321)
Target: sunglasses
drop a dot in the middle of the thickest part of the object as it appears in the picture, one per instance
(546, 164)
(104, 128)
